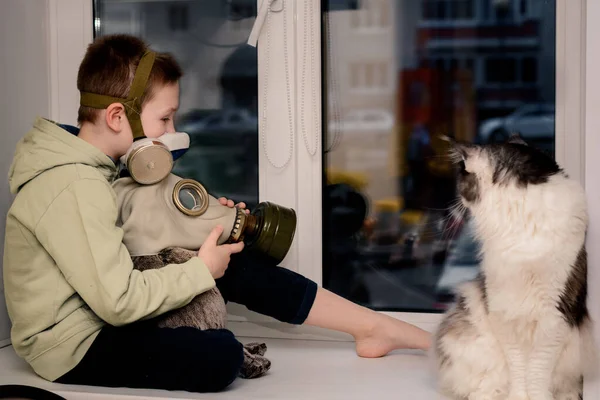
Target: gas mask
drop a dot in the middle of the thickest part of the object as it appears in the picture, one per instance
(179, 212)
(148, 161)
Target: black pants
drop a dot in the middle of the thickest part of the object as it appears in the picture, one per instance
(141, 355)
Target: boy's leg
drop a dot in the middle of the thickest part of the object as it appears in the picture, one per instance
(257, 283)
(142, 355)
(376, 334)
(261, 286)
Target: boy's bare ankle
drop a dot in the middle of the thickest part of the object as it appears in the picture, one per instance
(382, 334)
(368, 326)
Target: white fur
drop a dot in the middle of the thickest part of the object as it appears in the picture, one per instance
(521, 348)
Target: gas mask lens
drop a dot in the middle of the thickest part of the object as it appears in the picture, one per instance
(190, 197)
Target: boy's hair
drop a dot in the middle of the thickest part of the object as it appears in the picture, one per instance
(108, 68)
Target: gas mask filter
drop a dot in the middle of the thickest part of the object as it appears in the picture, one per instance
(184, 214)
(148, 160)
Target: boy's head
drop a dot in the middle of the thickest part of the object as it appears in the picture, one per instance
(108, 68)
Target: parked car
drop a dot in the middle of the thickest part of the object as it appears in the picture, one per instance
(532, 121)
(228, 121)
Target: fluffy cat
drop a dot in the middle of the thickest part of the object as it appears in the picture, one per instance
(521, 329)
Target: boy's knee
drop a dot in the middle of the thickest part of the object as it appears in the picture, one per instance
(227, 368)
(233, 358)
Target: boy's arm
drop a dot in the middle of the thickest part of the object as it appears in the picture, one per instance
(79, 231)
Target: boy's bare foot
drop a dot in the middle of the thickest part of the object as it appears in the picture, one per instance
(375, 334)
(388, 334)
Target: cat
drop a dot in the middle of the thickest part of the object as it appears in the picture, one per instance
(521, 329)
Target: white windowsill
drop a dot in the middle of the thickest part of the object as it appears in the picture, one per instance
(301, 369)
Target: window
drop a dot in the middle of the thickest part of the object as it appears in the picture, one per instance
(529, 69)
(511, 70)
(368, 75)
(439, 10)
(469, 63)
(219, 90)
(523, 7)
(373, 14)
(485, 10)
(390, 241)
(448, 63)
(434, 10)
(501, 70)
(461, 9)
(178, 17)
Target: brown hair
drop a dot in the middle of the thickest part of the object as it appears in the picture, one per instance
(109, 65)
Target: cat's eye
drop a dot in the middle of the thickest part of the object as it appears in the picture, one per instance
(462, 167)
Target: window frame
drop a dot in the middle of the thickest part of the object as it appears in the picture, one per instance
(299, 184)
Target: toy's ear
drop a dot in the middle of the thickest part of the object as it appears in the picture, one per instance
(176, 255)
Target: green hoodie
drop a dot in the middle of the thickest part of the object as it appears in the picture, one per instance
(66, 270)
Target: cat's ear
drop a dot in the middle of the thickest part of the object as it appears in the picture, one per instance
(458, 151)
(516, 139)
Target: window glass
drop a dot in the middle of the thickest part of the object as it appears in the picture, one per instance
(219, 89)
(465, 68)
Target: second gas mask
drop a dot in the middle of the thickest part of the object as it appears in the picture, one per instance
(148, 160)
(179, 212)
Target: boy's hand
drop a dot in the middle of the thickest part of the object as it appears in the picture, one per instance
(230, 204)
(216, 257)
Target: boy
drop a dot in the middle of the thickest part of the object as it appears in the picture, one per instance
(79, 310)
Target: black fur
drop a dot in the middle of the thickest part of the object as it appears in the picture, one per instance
(480, 280)
(513, 160)
(468, 187)
(528, 165)
(572, 302)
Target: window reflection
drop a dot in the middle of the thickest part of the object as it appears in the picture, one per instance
(219, 90)
(472, 69)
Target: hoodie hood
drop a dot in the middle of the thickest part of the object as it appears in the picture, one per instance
(48, 145)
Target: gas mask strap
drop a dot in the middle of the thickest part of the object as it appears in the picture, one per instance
(132, 104)
(137, 90)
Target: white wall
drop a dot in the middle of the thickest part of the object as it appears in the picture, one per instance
(24, 87)
(592, 166)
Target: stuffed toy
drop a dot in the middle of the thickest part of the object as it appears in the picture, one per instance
(205, 311)
(167, 222)
(165, 238)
